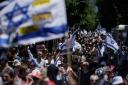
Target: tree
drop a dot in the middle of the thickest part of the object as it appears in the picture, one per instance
(121, 7)
(112, 13)
(88, 17)
(107, 14)
(81, 13)
(72, 12)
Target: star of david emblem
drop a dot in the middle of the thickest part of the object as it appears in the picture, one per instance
(17, 9)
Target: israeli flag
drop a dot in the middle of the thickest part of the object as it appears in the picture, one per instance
(71, 44)
(4, 40)
(4, 4)
(111, 43)
(101, 30)
(49, 19)
(35, 20)
(64, 49)
(15, 14)
(67, 45)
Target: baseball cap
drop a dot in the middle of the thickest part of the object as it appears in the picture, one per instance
(36, 73)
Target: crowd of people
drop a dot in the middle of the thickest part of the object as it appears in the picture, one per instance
(36, 65)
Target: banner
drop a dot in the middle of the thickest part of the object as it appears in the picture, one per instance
(34, 20)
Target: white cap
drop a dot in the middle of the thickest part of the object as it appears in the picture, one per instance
(94, 77)
(16, 62)
(117, 80)
(36, 73)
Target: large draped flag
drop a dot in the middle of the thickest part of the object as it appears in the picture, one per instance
(33, 21)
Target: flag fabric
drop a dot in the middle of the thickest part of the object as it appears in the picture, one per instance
(35, 20)
(98, 27)
(100, 30)
(4, 4)
(4, 40)
(66, 46)
(70, 45)
(15, 14)
(111, 43)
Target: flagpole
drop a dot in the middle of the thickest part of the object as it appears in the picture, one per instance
(68, 50)
(68, 53)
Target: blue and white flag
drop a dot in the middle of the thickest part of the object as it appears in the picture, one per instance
(4, 40)
(100, 30)
(4, 4)
(111, 43)
(15, 14)
(70, 45)
(67, 45)
(35, 20)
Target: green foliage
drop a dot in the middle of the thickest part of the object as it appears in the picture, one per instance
(72, 12)
(89, 17)
(107, 14)
(110, 13)
(81, 13)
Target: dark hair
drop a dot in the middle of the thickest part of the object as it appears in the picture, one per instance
(22, 72)
(120, 84)
(52, 73)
